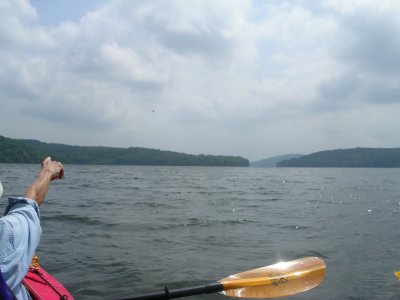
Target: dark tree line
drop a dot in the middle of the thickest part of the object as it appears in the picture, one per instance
(348, 158)
(13, 151)
(32, 151)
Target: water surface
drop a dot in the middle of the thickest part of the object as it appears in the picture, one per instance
(114, 231)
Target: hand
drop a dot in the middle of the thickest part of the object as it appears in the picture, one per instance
(55, 168)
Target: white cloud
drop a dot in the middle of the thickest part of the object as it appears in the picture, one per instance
(223, 77)
(18, 26)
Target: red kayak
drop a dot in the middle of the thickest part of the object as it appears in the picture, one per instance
(42, 286)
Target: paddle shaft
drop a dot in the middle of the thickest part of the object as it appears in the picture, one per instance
(215, 287)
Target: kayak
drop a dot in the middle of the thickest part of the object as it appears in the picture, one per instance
(42, 286)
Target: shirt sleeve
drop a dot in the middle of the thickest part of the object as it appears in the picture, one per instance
(20, 233)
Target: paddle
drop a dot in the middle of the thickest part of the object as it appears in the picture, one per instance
(278, 280)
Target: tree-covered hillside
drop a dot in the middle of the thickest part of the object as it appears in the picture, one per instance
(32, 151)
(348, 158)
(273, 161)
(13, 151)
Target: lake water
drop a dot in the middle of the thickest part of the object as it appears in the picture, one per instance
(115, 231)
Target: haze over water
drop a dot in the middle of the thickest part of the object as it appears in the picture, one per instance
(115, 231)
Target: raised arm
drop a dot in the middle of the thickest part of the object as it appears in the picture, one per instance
(51, 170)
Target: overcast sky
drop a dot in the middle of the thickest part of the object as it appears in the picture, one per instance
(232, 77)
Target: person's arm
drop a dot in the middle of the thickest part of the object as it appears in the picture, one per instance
(37, 190)
(20, 228)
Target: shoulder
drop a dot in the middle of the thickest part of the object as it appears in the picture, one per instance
(22, 204)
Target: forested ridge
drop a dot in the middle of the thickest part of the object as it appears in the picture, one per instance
(348, 158)
(33, 151)
(272, 161)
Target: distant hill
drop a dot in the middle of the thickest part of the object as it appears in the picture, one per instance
(33, 151)
(348, 158)
(13, 151)
(272, 161)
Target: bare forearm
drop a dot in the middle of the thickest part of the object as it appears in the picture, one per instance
(38, 189)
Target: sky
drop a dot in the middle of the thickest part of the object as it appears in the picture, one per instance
(224, 77)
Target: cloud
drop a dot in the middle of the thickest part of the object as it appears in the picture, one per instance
(18, 26)
(250, 71)
(366, 53)
(375, 41)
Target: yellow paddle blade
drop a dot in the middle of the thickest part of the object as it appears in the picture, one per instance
(279, 280)
(397, 274)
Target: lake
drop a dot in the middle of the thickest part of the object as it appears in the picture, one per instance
(115, 231)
